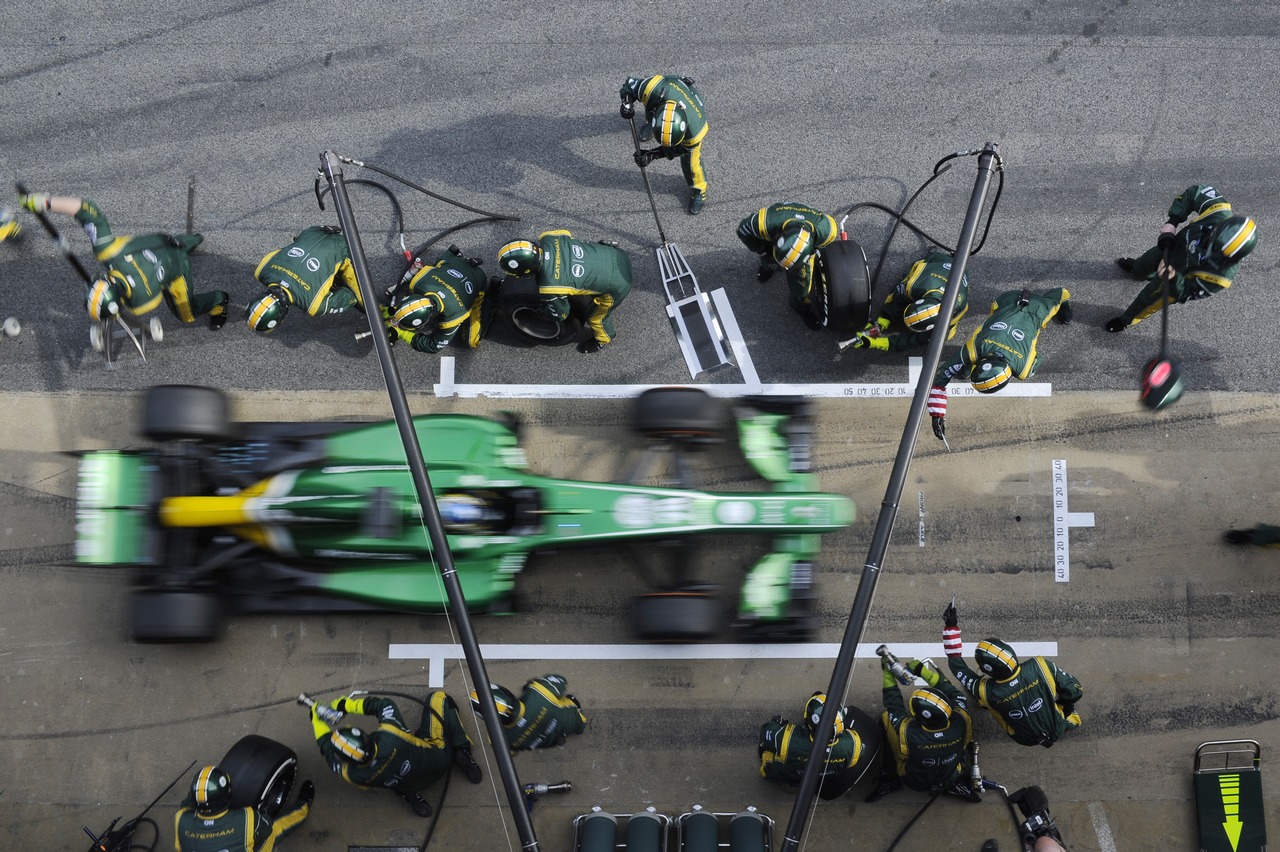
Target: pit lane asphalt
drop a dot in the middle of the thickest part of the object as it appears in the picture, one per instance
(1104, 111)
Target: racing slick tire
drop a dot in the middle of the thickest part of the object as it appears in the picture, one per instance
(160, 615)
(844, 287)
(523, 313)
(677, 616)
(679, 414)
(182, 412)
(262, 773)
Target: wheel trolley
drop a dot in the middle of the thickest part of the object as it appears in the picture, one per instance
(1228, 790)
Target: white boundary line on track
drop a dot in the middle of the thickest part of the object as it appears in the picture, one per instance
(437, 655)
(448, 386)
(1106, 843)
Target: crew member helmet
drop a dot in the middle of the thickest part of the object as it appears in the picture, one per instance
(931, 707)
(520, 257)
(670, 124)
(353, 744)
(922, 314)
(1235, 238)
(996, 659)
(794, 244)
(413, 314)
(508, 704)
(104, 299)
(813, 714)
(990, 374)
(211, 789)
(267, 311)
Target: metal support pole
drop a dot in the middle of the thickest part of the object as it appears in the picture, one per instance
(331, 167)
(888, 508)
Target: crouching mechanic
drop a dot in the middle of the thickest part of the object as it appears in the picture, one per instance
(675, 115)
(206, 822)
(440, 300)
(543, 716)
(1202, 258)
(141, 270)
(1004, 347)
(390, 756)
(785, 749)
(788, 235)
(313, 272)
(567, 267)
(911, 310)
(926, 745)
(1034, 702)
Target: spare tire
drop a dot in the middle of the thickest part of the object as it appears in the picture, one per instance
(524, 314)
(183, 412)
(262, 773)
(844, 287)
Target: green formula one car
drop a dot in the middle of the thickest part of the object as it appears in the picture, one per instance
(225, 517)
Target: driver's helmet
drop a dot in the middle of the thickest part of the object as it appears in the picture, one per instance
(1235, 238)
(520, 257)
(990, 374)
(996, 658)
(670, 125)
(103, 298)
(353, 744)
(931, 707)
(813, 714)
(267, 311)
(505, 699)
(794, 244)
(211, 790)
(414, 314)
(922, 314)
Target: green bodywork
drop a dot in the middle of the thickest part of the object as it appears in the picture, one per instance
(353, 520)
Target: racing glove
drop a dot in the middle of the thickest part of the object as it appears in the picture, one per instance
(871, 340)
(644, 158)
(938, 411)
(890, 682)
(951, 642)
(628, 109)
(36, 202)
(939, 427)
(926, 671)
(1168, 232)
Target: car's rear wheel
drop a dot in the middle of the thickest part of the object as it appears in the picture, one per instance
(181, 412)
(525, 315)
(175, 616)
(262, 773)
(679, 616)
(679, 414)
(845, 297)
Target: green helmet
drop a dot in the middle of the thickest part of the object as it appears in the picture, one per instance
(996, 659)
(267, 311)
(520, 257)
(922, 314)
(1235, 238)
(990, 374)
(931, 707)
(670, 125)
(352, 744)
(414, 313)
(103, 298)
(505, 699)
(794, 244)
(813, 715)
(211, 789)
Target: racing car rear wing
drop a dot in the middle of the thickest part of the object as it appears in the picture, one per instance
(112, 494)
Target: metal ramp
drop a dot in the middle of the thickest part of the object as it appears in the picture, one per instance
(699, 332)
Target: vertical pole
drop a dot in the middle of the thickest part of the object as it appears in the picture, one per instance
(888, 508)
(331, 167)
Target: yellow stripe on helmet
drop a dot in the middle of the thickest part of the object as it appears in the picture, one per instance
(259, 308)
(995, 381)
(343, 745)
(202, 785)
(999, 653)
(1242, 236)
(669, 123)
(797, 249)
(929, 698)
